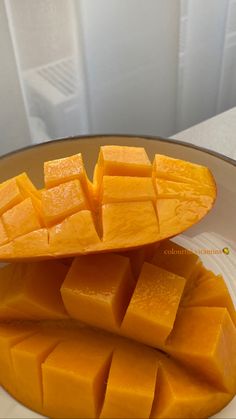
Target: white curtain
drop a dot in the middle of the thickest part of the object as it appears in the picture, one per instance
(151, 67)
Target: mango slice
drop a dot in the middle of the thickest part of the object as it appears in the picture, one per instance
(32, 291)
(211, 350)
(131, 203)
(130, 386)
(97, 290)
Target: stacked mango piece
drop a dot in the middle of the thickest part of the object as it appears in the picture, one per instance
(142, 331)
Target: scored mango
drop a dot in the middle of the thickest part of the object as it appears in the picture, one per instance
(55, 364)
(131, 203)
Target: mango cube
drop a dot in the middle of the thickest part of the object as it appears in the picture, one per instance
(21, 219)
(204, 338)
(62, 200)
(35, 290)
(11, 334)
(27, 357)
(124, 220)
(10, 195)
(97, 289)
(152, 310)
(211, 292)
(127, 188)
(131, 382)
(182, 394)
(74, 377)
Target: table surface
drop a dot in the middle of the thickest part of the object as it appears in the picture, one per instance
(217, 133)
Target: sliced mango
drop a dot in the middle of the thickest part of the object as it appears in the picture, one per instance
(97, 290)
(131, 203)
(152, 310)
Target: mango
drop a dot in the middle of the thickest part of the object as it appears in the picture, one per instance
(131, 382)
(11, 334)
(33, 291)
(74, 377)
(153, 306)
(182, 394)
(204, 338)
(27, 357)
(131, 203)
(210, 290)
(97, 290)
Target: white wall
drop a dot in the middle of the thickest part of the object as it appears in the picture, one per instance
(14, 132)
(131, 58)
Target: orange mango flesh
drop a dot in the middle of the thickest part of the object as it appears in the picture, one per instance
(11, 334)
(32, 291)
(108, 375)
(74, 377)
(204, 338)
(180, 394)
(70, 371)
(153, 305)
(211, 291)
(27, 357)
(131, 203)
(97, 290)
(175, 258)
(131, 383)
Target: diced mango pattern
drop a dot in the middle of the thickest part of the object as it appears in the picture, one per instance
(77, 372)
(130, 203)
(63, 358)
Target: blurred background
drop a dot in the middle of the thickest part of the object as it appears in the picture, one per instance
(153, 67)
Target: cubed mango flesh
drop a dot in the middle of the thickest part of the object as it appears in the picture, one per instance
(62, 201)
(21, 219)
(34, 290)
(6, 277)
(131, 203)
(131, 382)
(97, 289)
(177, 259)
(11, 334)
(152, 310)
(204, 338)
(27, 357)
(210, 290)
(182, 394)
(127, 188)
(74, 377)
(124, 220)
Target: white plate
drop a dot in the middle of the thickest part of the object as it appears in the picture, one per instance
(216, 231)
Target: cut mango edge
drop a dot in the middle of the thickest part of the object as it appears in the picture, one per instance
(130, 203)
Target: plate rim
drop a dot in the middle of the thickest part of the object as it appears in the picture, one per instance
(186, 144)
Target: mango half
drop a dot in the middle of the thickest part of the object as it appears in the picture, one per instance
(59, 357)
(130, 203)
